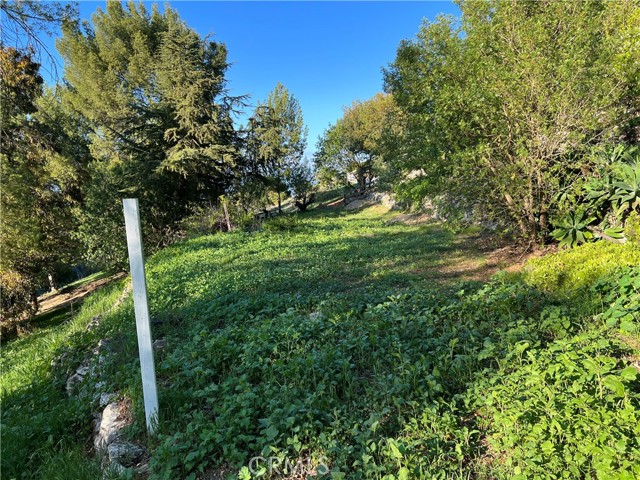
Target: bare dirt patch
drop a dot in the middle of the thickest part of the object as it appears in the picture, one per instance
(50, 302)
(483, 255)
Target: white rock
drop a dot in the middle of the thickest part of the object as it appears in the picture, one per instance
(111, 423)
(106, 399)
(124, 453)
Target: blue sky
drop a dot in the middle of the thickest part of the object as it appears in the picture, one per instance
(326, 53)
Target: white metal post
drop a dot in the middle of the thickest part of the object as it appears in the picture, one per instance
(145, 347)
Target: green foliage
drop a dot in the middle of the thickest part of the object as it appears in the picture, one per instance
(581, 267)
(325, 336)
(608, 197)
(504, 105)
(153, 92)
(16, 302)
(42, 166)
(573, 230)
(41, 425)
(627, 193)
(549, 408)
(282, 223)
(302, 184)
(632, 228)
(276, 140)
(355, 143)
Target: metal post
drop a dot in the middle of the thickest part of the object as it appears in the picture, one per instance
(145, 348)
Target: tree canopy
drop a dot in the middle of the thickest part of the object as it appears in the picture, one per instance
(276, 139)
(353, 144)
(153, 92)
(504, 106)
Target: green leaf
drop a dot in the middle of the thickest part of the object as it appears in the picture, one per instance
(615, 385)
(629, 373)
(393, 447)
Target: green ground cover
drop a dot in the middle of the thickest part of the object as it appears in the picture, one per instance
(347, 339)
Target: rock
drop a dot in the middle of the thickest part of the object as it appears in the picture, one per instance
(356, 204)
(106, 398)
(111, 422)
(76, 379)
(94, 323)
(371, 198)
(60, 360)
(124, 453)
(116, 468)
(159, 344)
(142, 468)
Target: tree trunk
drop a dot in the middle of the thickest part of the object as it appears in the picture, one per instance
(52, 282)
(226, 215)
(279, 202)
(34, 300)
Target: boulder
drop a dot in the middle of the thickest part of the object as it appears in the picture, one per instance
(124, 453)
(112, 420)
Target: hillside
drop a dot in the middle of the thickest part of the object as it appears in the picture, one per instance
(353, 341)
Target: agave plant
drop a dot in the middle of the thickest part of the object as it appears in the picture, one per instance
(627, 193)
(572, 230)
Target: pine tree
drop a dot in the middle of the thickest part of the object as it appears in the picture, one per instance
(277, 139)
(154, 94)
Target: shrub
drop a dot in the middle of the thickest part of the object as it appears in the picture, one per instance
(16, 302)
(569, 270)
(282, 223)
(632, 228)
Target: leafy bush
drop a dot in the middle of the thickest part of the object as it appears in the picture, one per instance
(569, 270)
(571, 404)
(282, 223)
(600, 206)
(16, 302)
(632, 228)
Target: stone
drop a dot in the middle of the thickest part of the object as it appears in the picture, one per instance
(76, 379)
(124, 453)
(356, 204)
(111, 422)
(94, 323)
(106, 398)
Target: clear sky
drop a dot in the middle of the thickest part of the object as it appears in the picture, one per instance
(326, 53)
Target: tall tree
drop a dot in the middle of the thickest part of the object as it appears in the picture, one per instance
(42, 167)
(153, 92)
(276, 139)
(504, 106)
(24, 22)
(355, 142)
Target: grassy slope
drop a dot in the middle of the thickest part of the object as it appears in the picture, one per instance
(338, 337)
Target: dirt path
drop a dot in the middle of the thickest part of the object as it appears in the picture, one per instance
(49, 302)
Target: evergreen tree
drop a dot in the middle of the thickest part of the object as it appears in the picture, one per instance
(153, 92)
(42, 167)
(276, 139)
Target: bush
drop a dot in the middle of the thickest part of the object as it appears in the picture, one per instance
(16, 302)
(632, 228)
(282, 223)
(580, 267)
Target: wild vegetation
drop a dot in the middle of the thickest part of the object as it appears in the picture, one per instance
(349, 338)
(356, 342)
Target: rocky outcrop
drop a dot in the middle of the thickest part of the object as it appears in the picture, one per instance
(369, 199)
(117, 453)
